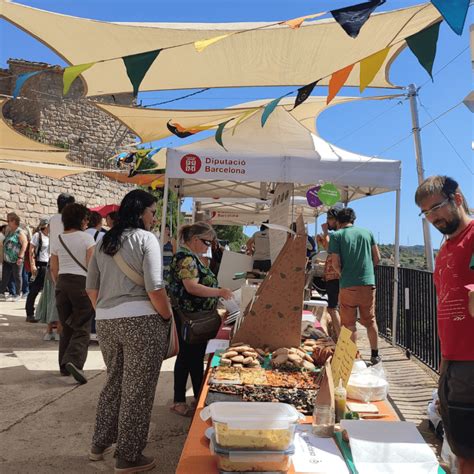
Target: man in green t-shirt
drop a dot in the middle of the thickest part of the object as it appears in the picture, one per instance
(355, 255)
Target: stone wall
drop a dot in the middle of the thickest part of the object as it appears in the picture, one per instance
(73, 123)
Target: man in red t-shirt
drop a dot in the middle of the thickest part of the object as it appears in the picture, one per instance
(443, 204)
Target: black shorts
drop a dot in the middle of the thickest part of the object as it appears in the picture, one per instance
(456, 396)
(262, 265)
(332, 290)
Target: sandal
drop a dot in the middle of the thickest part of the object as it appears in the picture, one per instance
(182, 409)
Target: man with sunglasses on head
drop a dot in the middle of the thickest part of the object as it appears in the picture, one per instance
(443, 204)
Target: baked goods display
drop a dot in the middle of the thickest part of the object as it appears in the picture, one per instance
(253, 376)
(292, 357)
(322, 350)
(303, 380)
(301, 399)
(241, 355)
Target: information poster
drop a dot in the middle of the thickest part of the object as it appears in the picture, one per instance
(343, 359)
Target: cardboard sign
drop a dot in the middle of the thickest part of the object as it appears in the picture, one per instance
(274, 317)
(343, 358)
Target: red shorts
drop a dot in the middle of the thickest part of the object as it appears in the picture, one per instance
(357, 297)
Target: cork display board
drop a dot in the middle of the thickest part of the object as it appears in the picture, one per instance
(274, 318)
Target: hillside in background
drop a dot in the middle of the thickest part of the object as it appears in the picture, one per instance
(410, 256)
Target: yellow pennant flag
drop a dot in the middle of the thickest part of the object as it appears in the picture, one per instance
(370, 66)
(295, 23)
(203, 44)
(70, 74)
(244, 116)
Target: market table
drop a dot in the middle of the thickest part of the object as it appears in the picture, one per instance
(196, 456)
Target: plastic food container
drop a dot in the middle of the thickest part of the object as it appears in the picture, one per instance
(253, 425)
(251, 461)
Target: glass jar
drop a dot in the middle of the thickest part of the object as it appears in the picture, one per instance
(323, 421)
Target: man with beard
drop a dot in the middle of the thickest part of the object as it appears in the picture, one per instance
(443, 204)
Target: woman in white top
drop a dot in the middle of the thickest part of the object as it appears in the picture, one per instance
(126, 287)
(70, 255)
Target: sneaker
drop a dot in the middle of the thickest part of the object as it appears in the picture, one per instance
(142, 464)
(97, 453)
(56, 336)
(3, 297)
(49, 336)
(93, 337)
(31, 319)
(14, 299)
(77, 373)
(375, 360)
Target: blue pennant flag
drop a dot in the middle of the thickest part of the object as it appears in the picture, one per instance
(454, 12)
(20, 80)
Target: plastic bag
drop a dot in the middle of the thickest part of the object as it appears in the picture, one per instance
(434, 416)
(449, 457)
(368, 385)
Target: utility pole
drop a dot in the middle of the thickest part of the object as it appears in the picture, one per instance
(412, 95)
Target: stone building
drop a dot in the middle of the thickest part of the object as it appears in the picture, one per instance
(73, 123)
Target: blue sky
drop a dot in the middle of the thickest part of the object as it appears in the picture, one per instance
(370, 128)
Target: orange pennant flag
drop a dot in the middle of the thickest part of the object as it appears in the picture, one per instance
(370, 66)
(295, 23)
(338, 79)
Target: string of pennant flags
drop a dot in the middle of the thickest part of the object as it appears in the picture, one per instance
(351, 19)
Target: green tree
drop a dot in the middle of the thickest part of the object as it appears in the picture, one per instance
(234, 234)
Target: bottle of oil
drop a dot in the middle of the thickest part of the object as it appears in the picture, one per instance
(340, 396)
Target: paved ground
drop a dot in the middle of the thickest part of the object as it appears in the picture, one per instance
(46, 421)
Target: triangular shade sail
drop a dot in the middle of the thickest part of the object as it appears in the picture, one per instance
(269, 57)
(282, 151)
(43, 169)
(17, 147)
(150, 124)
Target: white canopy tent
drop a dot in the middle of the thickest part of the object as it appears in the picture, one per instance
(281, 151)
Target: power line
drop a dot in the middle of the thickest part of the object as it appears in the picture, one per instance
(445, 136)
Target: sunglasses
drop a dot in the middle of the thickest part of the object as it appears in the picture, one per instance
(434, 208)
(206, 242)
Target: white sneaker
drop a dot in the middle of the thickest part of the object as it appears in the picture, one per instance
(3, 296)
(56, 336)
(15, 299)
(49, 336)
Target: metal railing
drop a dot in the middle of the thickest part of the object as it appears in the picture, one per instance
(417, 330)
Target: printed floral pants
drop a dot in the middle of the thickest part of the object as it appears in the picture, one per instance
(133, 350)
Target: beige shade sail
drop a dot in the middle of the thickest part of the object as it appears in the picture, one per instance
(17, 147)
(274, 56)
(43, 169)
(150, 124)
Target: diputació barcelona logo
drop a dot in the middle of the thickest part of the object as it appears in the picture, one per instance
(190, 163)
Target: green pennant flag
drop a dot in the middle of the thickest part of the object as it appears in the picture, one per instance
(219, 131)
(423, 46)
(137, 66)
(269, 108)
(70, 73)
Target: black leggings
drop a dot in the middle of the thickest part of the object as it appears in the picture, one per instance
(190, 361)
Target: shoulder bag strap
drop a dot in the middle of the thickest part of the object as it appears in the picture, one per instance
(128, 271)
(70, 254)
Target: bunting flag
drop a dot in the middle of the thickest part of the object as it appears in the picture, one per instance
(244, 116)
(20, 80)
(296, 23)
(203, 44)
(70, 74)
(423, 46)
(454, 12)
(303, 93)
(183, 132)
(370, 66)
(219, 131)
(336, 82)
(137, 66)
(353, 18)
(269, 108)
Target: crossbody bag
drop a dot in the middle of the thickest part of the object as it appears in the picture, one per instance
(130, 273)
(71, 255)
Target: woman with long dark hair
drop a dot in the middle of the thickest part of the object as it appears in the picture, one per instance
(133, 315)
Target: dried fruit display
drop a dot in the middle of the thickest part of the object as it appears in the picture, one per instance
(302, 400)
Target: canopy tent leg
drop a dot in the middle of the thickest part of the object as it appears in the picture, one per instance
(178, 216)
(395, 269)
